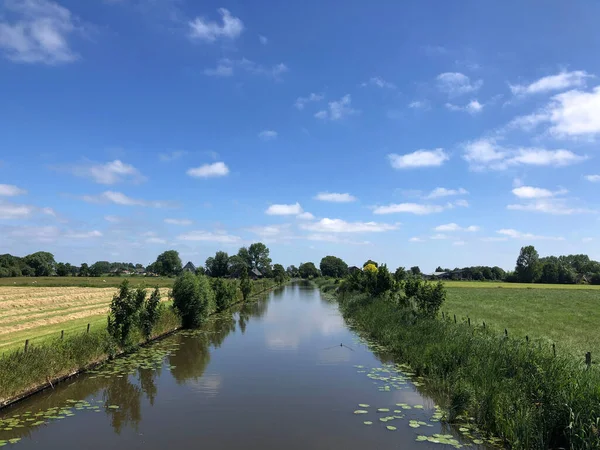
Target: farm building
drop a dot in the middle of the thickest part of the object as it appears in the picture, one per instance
(255, 274)
(189, 267)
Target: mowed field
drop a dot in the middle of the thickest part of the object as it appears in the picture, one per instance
(567, 315)
(38, 313)
(98, 282)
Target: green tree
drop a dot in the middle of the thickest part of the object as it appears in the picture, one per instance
(168, 263)
(62, 270)
(528, 265)
(225, 293)
(150, 313)
(84, 270)
(193, 299)
(308, 270)
(218, 266)
(245, 283)
(430, 298)
(99, 268)
(499, 273)
(256, 257)
(332, 266)
(236, 265)
(124, 313)
(415, 270)
(385, 281)
(42, 263)
(439, 269)
(279, 273)
(370, 262)
(292, 271)
(400, 274)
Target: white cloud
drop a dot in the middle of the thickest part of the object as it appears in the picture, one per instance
(180, 222)
(419, 104)
(438, 237)
(487, 154)
(218, 169)
(461, 203)
(112, 219)
(455, 227)
(337, 109)
(172, 156)
(305, 216)
(45, 234)
(416, 239)
(379, 82)
(587, 239)
(473, 107)
(83, 234)
(226, 67)
(110, 173)
(456, 83)
(534, 192)
(40, 34)
(335, 197)
(341, 226)
(263, 40)
(156, 240)
(267, 135)
(443, 192)
(210, 31)
(514, 234)
(560, 81)
(10, 190)
(334, 238)
(302, 101)
(592, 178)
(207, 236)
(575, 113)
(14, 211)
(556, 206)
(529, 122)
(285, 210)
(420, 158)
(411, 208)
(119, 198)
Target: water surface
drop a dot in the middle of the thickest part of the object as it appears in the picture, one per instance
(283, 372)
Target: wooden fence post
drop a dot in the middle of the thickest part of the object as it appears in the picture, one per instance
(506, 333)
(454, 318)
(588, 359)
(26, 344)
(62, 334)
(554, 349)
(527, 338)
(484, 325)
(469, 320)
(88, 328)
(442, 314)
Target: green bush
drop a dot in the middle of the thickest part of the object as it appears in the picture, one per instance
(193, 299)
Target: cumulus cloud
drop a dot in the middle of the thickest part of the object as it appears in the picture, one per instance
(419, 104)
(112, 172)
(455, 84)
(473, 107)
(443, 192)
(335, 197)
(380, 83)
(555, 206)
(218, 169)
(487, 154)
(302, 101)
(514, 234)
(341, 226)
(284, 210)
(15, 211)
(534, 192)
(112, 219)
(40, 34)
(180, 222)
(207, 236)
(226, 67)
(411, 208)
(560, 81)
(592, 178)
(419, 158)
(209, 31)
(83, 234)
(575, 113)
(455, 227)
(267, 135)
(10, 190)
(118, 198)
(305, 216)
(338, 109)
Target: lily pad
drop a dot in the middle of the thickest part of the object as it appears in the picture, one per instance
(383, 410)
(360, 411)
(391, 428)
(368, 422)
(363, 405)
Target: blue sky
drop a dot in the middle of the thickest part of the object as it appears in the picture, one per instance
(413, 133)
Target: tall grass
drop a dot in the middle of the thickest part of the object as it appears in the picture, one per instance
(516, 390)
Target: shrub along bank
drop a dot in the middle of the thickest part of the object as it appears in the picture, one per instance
(516, 390)
(133, 320)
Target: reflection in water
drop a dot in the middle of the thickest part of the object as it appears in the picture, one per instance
(127, 396)
(147, 378)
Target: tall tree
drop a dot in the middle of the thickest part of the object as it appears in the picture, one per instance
(168, 263)
(370, 262)
(332, 266)
(236, 265)
(99, 268)
(256, 256)
(218, 266)
(278, 273)
(528, 265)
(308, 270)
(292, 271)
(42, 263)
(84, 271)
(415, 270)
(245, 283)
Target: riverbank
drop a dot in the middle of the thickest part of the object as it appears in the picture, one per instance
(513, 389)
(43, 366)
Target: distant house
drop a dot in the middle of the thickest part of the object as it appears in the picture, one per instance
(255, 274)
(140, 271)
(353, 269)
(189, 267)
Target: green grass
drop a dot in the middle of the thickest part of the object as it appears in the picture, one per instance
(570, 317)
(101, 282)
(518, 392)
(504, 285)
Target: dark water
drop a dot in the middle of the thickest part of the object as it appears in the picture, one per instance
(271, 376)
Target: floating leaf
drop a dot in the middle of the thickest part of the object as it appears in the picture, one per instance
(113, 407)
(14, 440)
(368, 422)
(477, 441)
(391, 428)
(360, 411)
(363, 405)
(383, 410)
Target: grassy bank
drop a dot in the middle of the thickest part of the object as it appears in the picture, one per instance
(570, 318)
(517, 391)
(52, 358)
(98, 282)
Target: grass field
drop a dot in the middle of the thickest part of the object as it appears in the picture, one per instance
(98, 282)
(39, 313)
(567, 315)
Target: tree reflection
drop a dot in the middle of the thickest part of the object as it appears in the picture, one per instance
(147, 383)
(127, 397)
